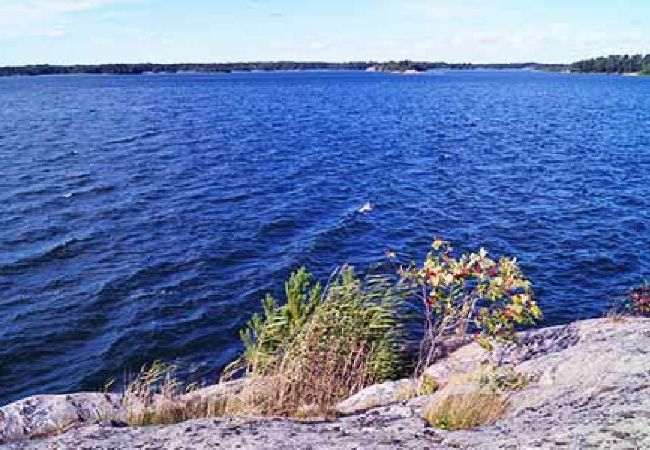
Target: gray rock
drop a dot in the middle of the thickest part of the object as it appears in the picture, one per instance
(592, 390)
(463, 361)
(44, 415)
(536, 342)
(211, 399)
(376, 395)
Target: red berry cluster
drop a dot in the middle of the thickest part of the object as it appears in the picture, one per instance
(640, 299)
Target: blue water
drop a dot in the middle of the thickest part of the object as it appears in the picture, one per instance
(143, 218)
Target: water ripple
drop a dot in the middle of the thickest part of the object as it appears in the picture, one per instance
(143, 218)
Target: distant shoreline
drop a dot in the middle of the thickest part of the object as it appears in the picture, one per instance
(359, 71)
(154, 74)
(151, 68)
(614, 65)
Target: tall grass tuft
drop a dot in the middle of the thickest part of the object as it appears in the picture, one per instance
(321, 345)
(153, 397)
(266, 336)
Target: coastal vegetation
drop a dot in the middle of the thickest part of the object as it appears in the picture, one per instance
(144, 68)
(639, 301)
(635, 303)
(324, 343)
(614, 64)
(295, 364)
(544, 377)
(152, 396)
(470, 293)
(463, 411)
(501, 379)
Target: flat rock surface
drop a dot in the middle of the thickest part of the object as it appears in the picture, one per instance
(374, 396)
(591, 390)
(42, 415)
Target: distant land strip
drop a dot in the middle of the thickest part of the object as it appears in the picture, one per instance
(143, 68)
(612, 64)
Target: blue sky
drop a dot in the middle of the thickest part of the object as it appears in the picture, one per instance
(93, 31)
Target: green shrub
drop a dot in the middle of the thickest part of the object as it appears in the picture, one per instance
(471, 293)
(638, 301)
(267, 336)
(323, 345)
(635, 303)
(428, 385)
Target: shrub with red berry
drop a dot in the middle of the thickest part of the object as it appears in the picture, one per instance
(639, 300)
(471, 293)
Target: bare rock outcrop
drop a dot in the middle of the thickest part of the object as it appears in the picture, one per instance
(590, 389)
(43, 415)
(376, 395)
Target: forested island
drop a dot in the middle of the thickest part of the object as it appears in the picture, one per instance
(621, 64)
(151, 68)
(145, 68)
(614, 64)
(422, 66)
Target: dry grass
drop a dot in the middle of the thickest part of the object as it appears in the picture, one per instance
(301, 357)
(428, 385)
(153, 397)
(425, 385)
(331, 348)
(309, 381)
(615, 316)
(465, 411)
(321, 373)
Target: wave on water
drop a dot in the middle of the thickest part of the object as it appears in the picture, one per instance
(67, 249)
(134, 138)
(90, 191)
(188, 201)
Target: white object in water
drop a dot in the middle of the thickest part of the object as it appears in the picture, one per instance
(366, 208)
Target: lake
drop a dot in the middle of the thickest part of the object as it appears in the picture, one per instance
(144, 217)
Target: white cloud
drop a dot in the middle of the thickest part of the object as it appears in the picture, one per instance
(55, 32)
(319, 45)
(60, 6)
(444, 9)
(20, 18)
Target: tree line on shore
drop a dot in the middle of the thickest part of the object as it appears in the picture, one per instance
(144, 68)
(609, 64)
(614, 64)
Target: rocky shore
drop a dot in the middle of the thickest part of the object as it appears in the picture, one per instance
(589, 388)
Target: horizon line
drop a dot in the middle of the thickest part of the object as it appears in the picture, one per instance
(316, 61)
(298, 61)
